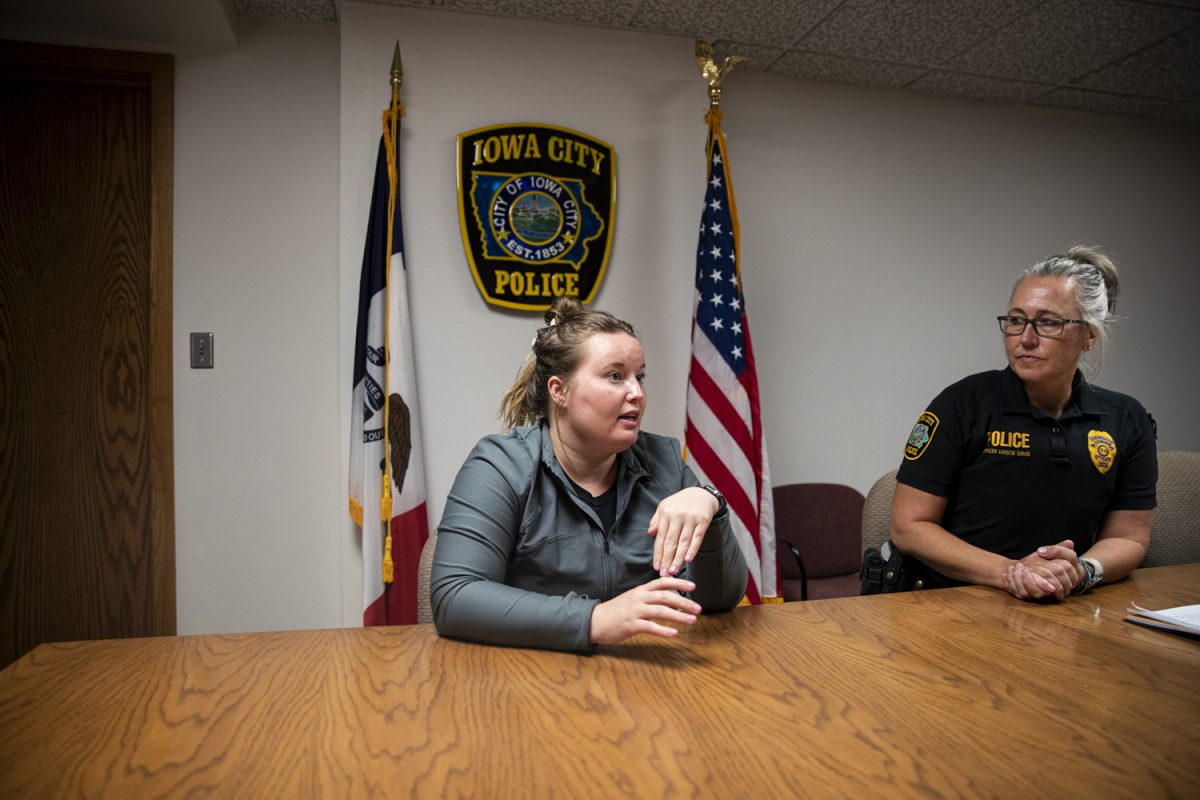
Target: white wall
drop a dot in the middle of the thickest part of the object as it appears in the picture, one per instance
(880, 232)
(259, 501)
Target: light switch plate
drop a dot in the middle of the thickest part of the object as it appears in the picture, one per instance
(202, 351)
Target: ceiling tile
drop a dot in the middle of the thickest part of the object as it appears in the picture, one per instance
(773, 22)
(1121, 56)
(1188, 110)
(1064, 40)
(584, 12)
(839, 69)
(978, 87)
(758, 56)
(911, 31)
(298, 10)
(1170, 68)
(1086, 100)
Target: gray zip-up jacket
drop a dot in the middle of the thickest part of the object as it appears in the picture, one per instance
(522, 561)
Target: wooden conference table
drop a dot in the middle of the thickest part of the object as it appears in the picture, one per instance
(950, 693)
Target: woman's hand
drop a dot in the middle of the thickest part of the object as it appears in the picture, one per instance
(637, 610)
(1051, 570)
(678, 525)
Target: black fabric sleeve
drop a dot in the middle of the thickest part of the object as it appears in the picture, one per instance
(1137, 464)
(934, 452)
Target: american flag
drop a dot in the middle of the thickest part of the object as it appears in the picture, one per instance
(724, 436)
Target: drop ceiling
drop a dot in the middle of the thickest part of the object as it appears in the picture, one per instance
(1138, 58)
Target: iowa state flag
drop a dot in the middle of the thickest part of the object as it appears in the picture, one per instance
(387, 477)
(723, 433)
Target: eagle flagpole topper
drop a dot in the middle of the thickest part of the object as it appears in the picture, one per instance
(712, 72)
(723, 434)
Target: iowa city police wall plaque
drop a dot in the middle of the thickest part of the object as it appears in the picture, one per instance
(535, 204)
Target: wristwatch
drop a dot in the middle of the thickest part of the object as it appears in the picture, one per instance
(721, 504)
(1093, 573)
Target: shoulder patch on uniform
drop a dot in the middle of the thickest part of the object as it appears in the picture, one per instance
(1102, 449)
(921, 436)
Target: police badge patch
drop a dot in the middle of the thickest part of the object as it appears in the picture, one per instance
(1102, 449)
(535, 205)
(921, 436)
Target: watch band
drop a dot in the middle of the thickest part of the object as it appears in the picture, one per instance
(721, 504)
(1093, 573)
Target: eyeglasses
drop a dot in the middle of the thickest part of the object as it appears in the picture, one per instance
(1014, 325)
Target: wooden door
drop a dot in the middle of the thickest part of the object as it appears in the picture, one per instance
(87, 541)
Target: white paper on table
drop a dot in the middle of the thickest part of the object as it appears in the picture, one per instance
(1181, 618)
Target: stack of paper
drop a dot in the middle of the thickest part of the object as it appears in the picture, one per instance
(1182, 619)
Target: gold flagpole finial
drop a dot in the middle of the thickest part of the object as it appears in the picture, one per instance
(712, 72)
(397, 69)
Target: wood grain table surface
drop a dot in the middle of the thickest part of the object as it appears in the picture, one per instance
(950, 693)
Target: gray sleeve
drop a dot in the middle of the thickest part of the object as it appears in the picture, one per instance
(719, 569)
(476, 538)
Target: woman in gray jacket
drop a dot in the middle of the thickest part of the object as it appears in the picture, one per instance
(574, 528)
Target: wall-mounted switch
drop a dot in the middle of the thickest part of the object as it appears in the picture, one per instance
(202, 351)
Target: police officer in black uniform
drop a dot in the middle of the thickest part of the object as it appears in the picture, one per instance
(1030, 479)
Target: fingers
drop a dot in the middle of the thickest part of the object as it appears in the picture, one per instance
(678, 527)
(665, 606)
(680, 543)
(669, 584)
(1034, 583)
(1063, 550)
(1025, 584)
(1063, 572)
(697, 538)
(648, 626)
(1057, 563)
(644, 609)
(658, 541)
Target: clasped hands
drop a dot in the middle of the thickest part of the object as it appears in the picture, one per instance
(678, 527)
(1049, 571)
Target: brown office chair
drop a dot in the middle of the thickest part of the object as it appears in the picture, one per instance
(877, 511)
(817, 538)
(1175, 530)
(424, 567)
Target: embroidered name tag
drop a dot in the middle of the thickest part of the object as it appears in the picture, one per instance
(1007, 443)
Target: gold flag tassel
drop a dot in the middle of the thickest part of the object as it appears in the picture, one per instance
(391, 118)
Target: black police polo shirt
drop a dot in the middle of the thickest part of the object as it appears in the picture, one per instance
(1016, 479)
